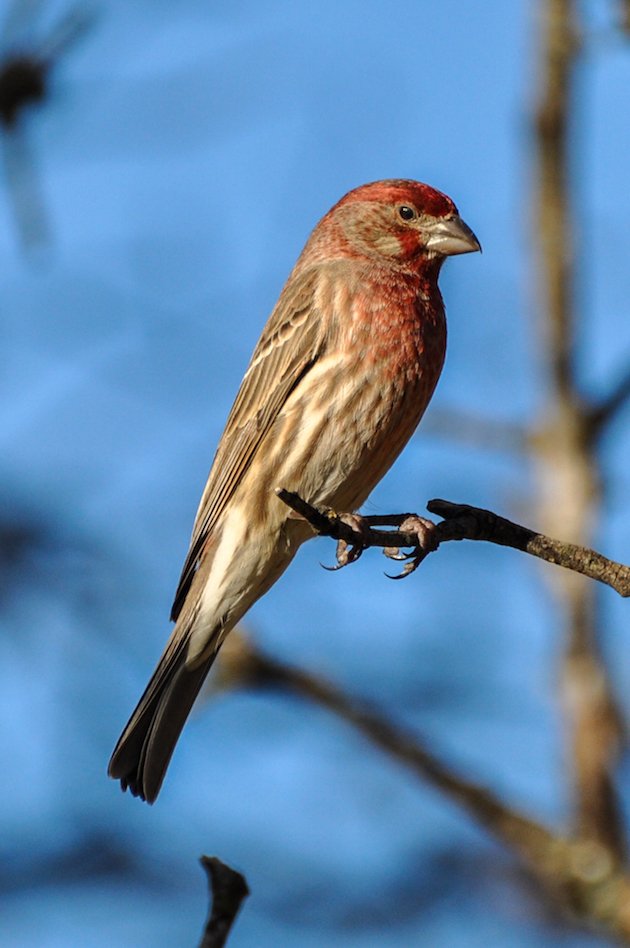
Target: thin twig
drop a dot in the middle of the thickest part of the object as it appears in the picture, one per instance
(228, 888)
(495, 529)
(463, 522)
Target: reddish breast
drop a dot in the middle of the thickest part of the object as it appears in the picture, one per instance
(400, 325)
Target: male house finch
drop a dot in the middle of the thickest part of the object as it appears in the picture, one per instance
(338, 382)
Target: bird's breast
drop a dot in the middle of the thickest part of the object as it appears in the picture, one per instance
(352, 413)
(359, 405)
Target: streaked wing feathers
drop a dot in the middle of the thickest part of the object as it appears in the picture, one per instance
(289, 346)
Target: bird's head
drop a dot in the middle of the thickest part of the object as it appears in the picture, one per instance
(400, 222)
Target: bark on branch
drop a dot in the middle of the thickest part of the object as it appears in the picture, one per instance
(463, 522)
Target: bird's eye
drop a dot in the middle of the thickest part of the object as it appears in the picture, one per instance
(407, 213)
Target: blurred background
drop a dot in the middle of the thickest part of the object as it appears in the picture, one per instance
(163, 165)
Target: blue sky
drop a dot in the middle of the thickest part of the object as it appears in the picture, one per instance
(184, 155)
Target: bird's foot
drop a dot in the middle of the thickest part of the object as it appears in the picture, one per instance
(427, 541)
(349, 552)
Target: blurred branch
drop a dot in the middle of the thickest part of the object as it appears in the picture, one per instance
(24, 189)
(24, 70)
(559, 48)
(25, 65)
(19, 18)
(462, 522)
(227, 888)
(65, 34)
(484, 433)
(583, 876)
(603, 413)
(564, 449)
(22, 83)
(624, 16)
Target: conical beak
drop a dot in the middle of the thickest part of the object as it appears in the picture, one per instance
(449, 236)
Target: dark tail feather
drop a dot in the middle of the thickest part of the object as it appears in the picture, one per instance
(146, 745)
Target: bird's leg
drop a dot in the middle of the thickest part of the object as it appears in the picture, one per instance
(427, 541)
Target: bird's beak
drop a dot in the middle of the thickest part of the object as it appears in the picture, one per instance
(449, 236)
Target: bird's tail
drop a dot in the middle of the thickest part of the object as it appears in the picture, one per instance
(145, 747)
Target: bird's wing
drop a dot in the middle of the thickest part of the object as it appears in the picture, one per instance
(289, 346)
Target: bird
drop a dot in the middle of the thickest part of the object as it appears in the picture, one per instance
(337, 384)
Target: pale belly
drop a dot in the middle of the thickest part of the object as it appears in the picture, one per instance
(342, 437)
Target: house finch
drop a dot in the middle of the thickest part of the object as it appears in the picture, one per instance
(337, 384)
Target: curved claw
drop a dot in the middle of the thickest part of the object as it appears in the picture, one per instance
(425, 531)
(346, 554)
(409, 568)
(422, 529)
(353, 554)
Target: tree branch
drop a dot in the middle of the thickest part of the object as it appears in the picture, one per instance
(559, 37)
(566, 462)
(582, 875)
(602, 413)
(463, 522)
(475, 430)
(227, 888)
